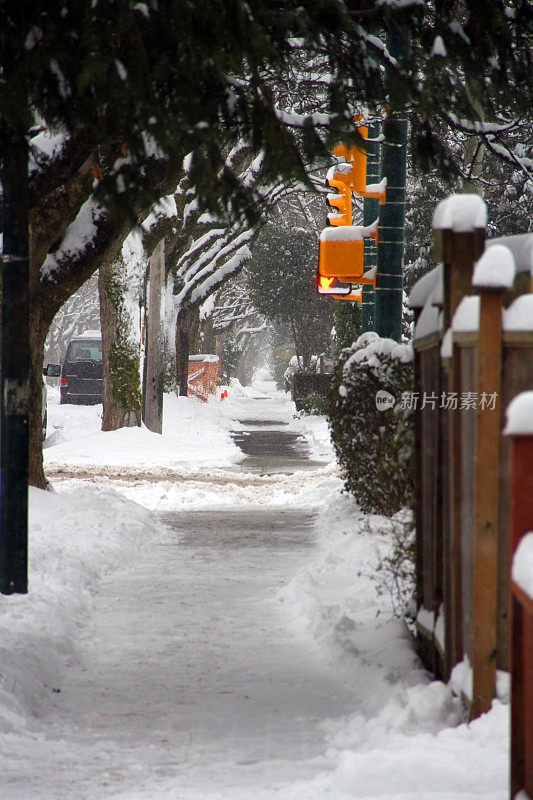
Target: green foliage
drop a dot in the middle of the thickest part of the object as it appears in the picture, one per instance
(374, 447)
(124, 360)
(231, 352)
(144, 80)
(280, 356)
(125, 377)
(315, 403)
(347, 323)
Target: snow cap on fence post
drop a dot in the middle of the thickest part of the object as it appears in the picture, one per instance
(495, 270)
(459, 224)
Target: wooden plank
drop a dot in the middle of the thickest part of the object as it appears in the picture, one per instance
(468, 384)
(485, 539)
(517, 376)
(521, 623)
(517, 698)
(458, 251)
(419, 549)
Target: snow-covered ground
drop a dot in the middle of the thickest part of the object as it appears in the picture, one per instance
(195, 631)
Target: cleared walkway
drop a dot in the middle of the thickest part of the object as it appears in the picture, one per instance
(189, 682)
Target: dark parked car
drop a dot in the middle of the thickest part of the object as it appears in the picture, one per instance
(81, 373)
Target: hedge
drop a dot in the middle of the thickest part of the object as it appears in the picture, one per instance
(374, 447)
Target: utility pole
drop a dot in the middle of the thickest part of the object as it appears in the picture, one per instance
(153, 362)
(389, 283)
(370, 214)
(15, 365)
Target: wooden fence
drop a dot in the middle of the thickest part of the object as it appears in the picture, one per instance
(473, 355)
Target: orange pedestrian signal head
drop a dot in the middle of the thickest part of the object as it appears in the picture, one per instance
(341, 253)
(329, 285)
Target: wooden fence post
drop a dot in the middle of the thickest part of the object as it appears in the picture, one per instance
(458, 250)
(493, 275)
(521, 603)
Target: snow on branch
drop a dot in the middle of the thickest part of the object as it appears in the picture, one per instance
(215, 254)
(79, 237)
(165, 208)
(377, 46)
(475, 126)
(205, 283)
(294, 120)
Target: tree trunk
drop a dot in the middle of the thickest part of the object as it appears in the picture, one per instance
(153, 391)
(187, 339)
(121, 390)
(182, 361)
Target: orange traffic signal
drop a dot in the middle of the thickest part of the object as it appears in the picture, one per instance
(355, 178)
(341, 201)
(341, 252)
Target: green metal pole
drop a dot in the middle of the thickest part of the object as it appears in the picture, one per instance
(15, 355)
(370, 214)
(389, 283)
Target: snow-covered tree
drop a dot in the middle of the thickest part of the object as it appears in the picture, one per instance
(124, 92)
(281, 282)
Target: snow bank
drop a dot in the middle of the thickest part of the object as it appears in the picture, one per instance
(519, 315)
(424, 286)
(317, 433)
(430, 320)
(446, 348)
(193, 436)
(75, 538)
(408, 737)
(521, 246)
(468, 761)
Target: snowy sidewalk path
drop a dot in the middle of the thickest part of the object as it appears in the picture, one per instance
(188, 675)
(188, 682)
(240, 651)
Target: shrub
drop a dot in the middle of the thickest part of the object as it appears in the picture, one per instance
(314, 403)
(374, 447)
(395, 574)
(310, 390)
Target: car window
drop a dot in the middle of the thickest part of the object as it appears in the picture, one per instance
(84, 351)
